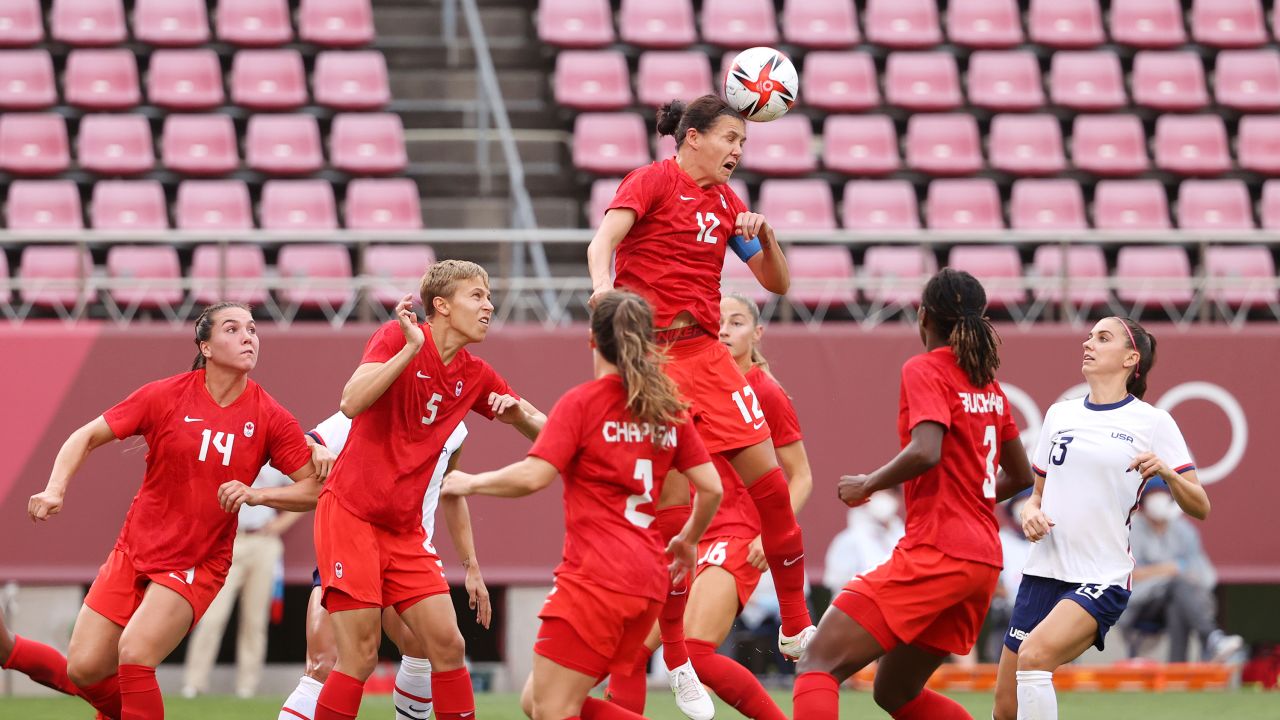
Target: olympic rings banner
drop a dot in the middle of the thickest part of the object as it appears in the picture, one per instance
(1220, 386)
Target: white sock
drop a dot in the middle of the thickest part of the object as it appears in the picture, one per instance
(413, 688)
(301, 703)
(1036, 699)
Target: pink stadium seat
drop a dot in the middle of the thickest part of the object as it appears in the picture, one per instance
(1065, 23)
(1169, 80)
(1258, 144)
(383, 204)
(1053, 204)
(1147, 23)
(6, 294)
(1085, 274)
(1026, 144)
(1153, 275)
(1111, 145)
(368, 143)
(964, 204)
(1250, 268)
(88, 22)
(245, 273)
(595, 80)
(603, 191)
(26, 80)
(351, 80)
(737, 277)
(903, 23)
(115, 144)
(609, 143)
(740, 189)
(739, 23)
(298, 205)
(33, 143)
(213, 205)
(398, 269)
(798, 204)
(664, 147)
(821, 275)
(922, 81)
(199, 144)
(43, 205)
(152, 274)
(336, 23)
(820, 24)
(1130, 205)
(128, 205)
(1090, 80)
(185, 80)
(944, 144)
(575, 23)
(840, 81)
(171, 23)
(254, 23)
(860, 144)
(56, 275)
(1269, 208)
(268, 79)
(984, 23)
(102, 80)
(880, 205)
(1228, 23)
(897, 273)
(325, 270)
(21, 23)
(1214, 205)
(1248, 80)
(997, 267)
(1192, 144)
(667, 75)
(781, 147)
(283, 144)
(657, 23)
(1005, 80)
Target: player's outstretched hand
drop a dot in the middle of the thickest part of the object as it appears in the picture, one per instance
(506, 408)
(456, 484)
(478, 596)
(44, 505)
(854, 489)
(322, 458)
(408, 320)
(755, 555)
(598, 293)
(1150, 466)
(684, 556)
(1035, 524)
(232, 494)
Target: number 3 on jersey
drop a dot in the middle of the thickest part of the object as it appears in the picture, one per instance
(707, 223)
(644, 473)
(989, 481)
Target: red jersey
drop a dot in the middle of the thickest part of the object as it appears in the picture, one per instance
(952, 506)
(193, 447)
(612, 472)
(384, 469)
(674, 254)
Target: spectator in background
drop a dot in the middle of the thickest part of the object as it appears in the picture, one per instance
(873, 531)
(257, 551)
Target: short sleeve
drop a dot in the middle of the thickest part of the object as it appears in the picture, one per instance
(558, 442)
(384, 344)
(784, 424)
(286, 446)
(925, 394)
(332, 432)
(490, 382)
(133, 415)
(690, 451)
(1169, 445)
(1044, 445)
(637, 190)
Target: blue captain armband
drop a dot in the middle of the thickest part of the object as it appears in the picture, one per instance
(744, 248)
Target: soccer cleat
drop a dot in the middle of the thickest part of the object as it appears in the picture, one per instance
(1221, 647)
(691, 697)
(792, 647)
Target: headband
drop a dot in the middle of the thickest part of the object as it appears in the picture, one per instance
(1132, 344)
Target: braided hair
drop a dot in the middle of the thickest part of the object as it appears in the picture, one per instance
(955, 302)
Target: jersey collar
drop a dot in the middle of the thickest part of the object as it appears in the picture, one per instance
(1108, 406)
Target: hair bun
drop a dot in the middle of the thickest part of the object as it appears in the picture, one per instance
(669, 117)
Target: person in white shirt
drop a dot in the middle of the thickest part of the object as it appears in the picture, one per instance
(1094, 456)
(873, 531)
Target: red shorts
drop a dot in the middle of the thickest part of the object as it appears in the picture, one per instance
(924, 598)
(593, 630)
(730, 554)
(726, 411)
(363, 565)
(118, 590)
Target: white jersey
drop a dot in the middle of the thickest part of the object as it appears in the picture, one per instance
(1084, 454)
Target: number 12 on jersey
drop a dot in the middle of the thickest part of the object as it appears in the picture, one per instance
(707, 223)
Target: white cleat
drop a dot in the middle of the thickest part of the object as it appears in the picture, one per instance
(691, 697)
(792, 647)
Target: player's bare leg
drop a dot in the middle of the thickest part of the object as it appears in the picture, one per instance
(435, 626)
(1061, 637)
(900, 686)
(840, 648)
(1006, 701)
(412, 693)
(322, 654)
(93, 659)
(358, 633)
(673, 510)
(157, 627)
(559, 693)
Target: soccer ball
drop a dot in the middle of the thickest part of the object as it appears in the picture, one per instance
(762, 84)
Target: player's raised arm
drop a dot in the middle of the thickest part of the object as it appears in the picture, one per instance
(372, 379)
(71, 456)
(613, 228)
(769, 265)
(518, 479)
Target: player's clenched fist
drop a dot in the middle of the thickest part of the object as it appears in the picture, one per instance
(233, 494)
(41, 506)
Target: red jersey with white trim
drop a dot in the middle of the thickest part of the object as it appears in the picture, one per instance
(194, 446)
(952, 506)
(612, 471)
(674, 254)
(395, 443)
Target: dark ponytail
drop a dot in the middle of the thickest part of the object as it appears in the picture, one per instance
(954, 302)
(676, 117)
(622, 328)
(204, 327)
(1142, 342)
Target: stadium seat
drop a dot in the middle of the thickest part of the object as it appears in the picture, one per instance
(664, 147)
(1228, 23)
(1192, 145)
(1269, 208)
(1153, 275)
(185, 80)
(1248, 80)
(997, 267)
(171, 23)
(26, 80)
(213, 205)
(115, 144)
(1258, 144)
(254, 23)
(354, 80)
(922, 81)
(963, 204)
(88, 23)
(821, 275)
(33, 143)
(102, 80)
(326, 263)
(1046, 204)
(1109, 145)
(781, 147)
(1090, 80)
(595, 80)
(609, 143)
(798, 204)
(1130, 205)
(43, 205)
(6, 293)
(245, 274)
(1005, 80)
(268, 79)
(1026, 144)
(368, 143)
(603, 191)
(897, 273)
(739, 188)
(739, 23)
(298, 205)
(398, 270)
(1214, 205)
(820, 24)
(199, 144)
(880, 205)
(944, 144)
(657, 23)
(1085, 273)
(737, 278)
(840, 81)
(128, 205)
(152, 274)
(1147, 23)
(56, 276)
(665, 75)
(984, 23)
(903, 23)
(336, 23)
(860, 144)
(575, 23)
(1065, 23)
(1169, 80)
(1250, 269)
(283, 144)
(21, 23)
(383, 204)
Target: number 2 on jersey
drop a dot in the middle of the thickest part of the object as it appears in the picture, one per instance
(989, 481)
(644, 473)
(707, 223)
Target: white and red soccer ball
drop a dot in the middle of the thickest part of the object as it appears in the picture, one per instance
(762, 84)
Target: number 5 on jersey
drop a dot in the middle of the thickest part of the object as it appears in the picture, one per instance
(432, 406)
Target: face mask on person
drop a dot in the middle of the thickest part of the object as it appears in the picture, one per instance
(883, 507)
(1160, 507)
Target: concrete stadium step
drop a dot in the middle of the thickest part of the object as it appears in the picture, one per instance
(491, 212)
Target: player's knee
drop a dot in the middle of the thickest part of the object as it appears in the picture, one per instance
(84, 672)
(891, 697)
(319, 665)
(526, 700)
(447, 652)
(1034, 656)
(133, 652)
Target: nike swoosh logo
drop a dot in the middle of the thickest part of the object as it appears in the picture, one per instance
(792, 561)
(426, 713)
(685, 198)
(424, 377)
(187, 418)
(758, 425)
(179, 578)
(467, 714)
(682, 592)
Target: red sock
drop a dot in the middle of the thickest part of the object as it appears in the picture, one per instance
(628, 689)
(817, 696)
(339, 698)
(732, 682)
(454, 698)
(140, 697)
(593, 709)
(670, 522)
(929, 705)
(41, 663)
(104, 695)
(783, 548)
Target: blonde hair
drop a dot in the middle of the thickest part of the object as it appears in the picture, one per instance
(622, 327)
(442, 278)
(757, 357)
